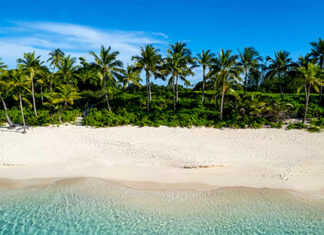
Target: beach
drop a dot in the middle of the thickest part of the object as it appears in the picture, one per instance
(165, 158)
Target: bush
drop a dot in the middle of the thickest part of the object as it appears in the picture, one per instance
(314, 129)
(318, 122)
(296, 126)
(277, 125)
(44, 118)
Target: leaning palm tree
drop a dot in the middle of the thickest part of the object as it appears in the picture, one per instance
(110, 68)
(66, 94)
(4, 87)
(279, 66)
(31, 65)
(310, 76)
(18, 84)
(149, 61)
(249, 60)
(204, 59)
(225, 71)
(317, 54)
(55, 56)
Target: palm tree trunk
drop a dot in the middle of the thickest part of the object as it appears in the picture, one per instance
(148, 91)
(22, 113)
(222, 101)
(307, 101)
(173, 92)
(177, 90)
(280, 87)
(106, 92)
(60, 113)
(203, 85)
(33, 95)
(11, 125)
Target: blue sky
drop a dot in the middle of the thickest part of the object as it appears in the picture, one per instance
(80, 26)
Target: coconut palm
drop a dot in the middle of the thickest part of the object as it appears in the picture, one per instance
(2, 65)
(31, 65)
(302, 61)
(66, 94)
(55, 56)
(110, 68)
(68, 70)
(177, 64)
(18, 84)
(183, 77)
(150, 62)
(279, 66)
(204, 59)
(310, 76)
(131, 76)
(317, 54)
(249, 61)
(4, 91)
(225, 71)
(180, 47)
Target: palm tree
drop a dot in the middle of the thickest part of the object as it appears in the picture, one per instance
(279, 66)
(225, 71)
(55, 56)
(4, 90)
(180, 47)
(68, 70)
(250, 61)
(66, 95)
(205, 60)
(31, 65)
(149, 61)
(310, 76)
(131, 76)
(317, 55)
(110, 69)
(2, 65)
(183, 77)
(177, 64)
(18, 84)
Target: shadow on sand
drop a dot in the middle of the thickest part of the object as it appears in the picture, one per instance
(16, 129)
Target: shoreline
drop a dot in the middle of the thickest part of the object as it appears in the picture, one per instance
(176, 158)
(43, 183)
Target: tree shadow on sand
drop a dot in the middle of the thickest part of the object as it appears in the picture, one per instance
(16, 129)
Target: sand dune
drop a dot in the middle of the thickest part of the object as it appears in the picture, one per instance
(245, 157)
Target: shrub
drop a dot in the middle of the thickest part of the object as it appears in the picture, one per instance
(277, 125)
(314, 129)
(296, 126)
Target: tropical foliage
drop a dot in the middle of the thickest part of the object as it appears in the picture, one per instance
(236, 90)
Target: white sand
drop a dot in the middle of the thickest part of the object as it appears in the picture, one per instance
(246, 157)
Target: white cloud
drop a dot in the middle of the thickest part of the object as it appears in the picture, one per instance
(73, 39)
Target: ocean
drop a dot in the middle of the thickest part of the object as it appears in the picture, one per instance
(95, 206)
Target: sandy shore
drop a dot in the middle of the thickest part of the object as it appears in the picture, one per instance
(259, 158)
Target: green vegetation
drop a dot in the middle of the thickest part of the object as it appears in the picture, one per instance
(236, 90)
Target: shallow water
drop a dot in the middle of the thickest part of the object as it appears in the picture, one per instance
(93, 206)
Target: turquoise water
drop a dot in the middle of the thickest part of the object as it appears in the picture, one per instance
(93, 206)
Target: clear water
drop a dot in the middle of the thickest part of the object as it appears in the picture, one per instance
(93, 206)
